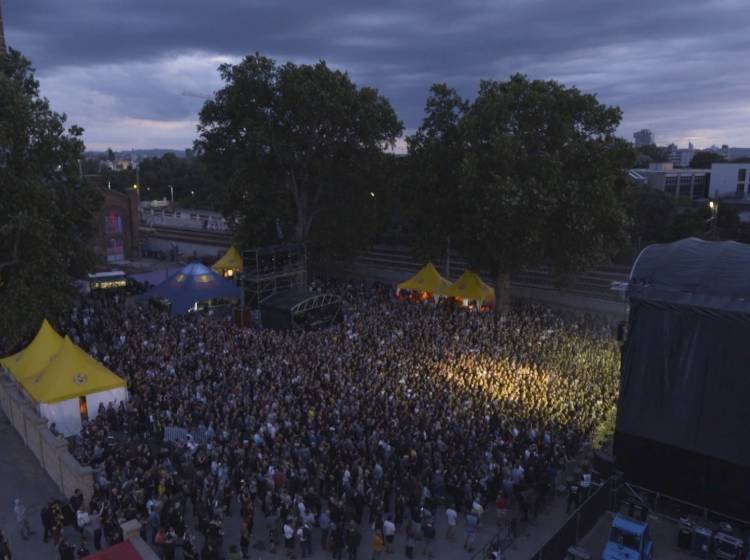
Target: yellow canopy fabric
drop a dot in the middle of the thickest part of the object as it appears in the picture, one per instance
(71, 373)
(428, 279)
(37, 355)
(232, 260)
(471, 287)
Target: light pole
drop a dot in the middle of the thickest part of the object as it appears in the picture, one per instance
(714, 219)
(171, 190)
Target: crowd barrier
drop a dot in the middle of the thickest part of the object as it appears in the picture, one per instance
(581, 522)
(675, 508)
(51, 452)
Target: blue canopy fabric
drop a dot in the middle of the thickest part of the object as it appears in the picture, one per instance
(708, 274)
(193, 283)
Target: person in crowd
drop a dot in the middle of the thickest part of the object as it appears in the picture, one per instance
(353, 539)
(23, 523)
(389, 534)
(46, 516)
(82, 519)
(378, 544)
(574, 495)
(95, 525)
(5, 551)
(66, 550)
(82, 550)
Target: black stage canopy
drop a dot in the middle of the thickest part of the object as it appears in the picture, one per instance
(684, 413)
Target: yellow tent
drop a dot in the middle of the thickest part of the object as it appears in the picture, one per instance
(72, 373)
(471, 287)
(232, 260)
(428, 279)
(37, 355)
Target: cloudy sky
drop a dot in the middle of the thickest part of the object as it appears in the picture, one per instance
(121, 68)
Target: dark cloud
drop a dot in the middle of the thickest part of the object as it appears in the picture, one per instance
(119, 68)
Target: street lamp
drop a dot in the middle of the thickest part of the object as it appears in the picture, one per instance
(171, 190)
(713, 220)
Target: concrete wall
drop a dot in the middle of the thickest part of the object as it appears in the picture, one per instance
(724, 179)
(51, 452)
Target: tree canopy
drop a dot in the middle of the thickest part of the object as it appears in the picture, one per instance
(536, 175)
(294, 148)
(45, 210)
(435, 160)
(704, 160)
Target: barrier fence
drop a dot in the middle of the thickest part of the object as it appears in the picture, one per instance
(674, 508)
(580, 523)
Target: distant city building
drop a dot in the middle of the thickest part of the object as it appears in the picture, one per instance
(680, 157)
(690, 184)
(737, 153)
(644, 137)
(730, 180)
(730, 154)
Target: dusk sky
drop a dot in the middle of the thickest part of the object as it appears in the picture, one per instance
(119, 67)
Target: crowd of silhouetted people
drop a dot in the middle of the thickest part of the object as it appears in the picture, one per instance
(401, 425)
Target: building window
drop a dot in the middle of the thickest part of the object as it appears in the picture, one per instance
(741, 190)
(685, 184)
(670, 184)
(741, 175)
(699, 187)
(112, 222)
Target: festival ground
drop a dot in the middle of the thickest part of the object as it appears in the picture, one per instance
(34, 487)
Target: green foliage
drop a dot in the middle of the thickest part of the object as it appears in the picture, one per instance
(703, 160)
(45, 212)
(652, 213)
(192, 183)
(653, 153)
(655, 217)
(293, 148)
(434, 173)
(532, 173)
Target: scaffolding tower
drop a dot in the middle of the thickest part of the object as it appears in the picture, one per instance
(271, 269)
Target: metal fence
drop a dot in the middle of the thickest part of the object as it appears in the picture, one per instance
(674, 508)
(181, 435)
(580, 523)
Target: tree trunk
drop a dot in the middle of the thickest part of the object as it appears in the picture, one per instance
(502, 292)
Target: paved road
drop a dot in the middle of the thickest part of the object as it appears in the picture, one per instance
(22, 477)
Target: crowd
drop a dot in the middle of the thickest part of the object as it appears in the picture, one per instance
(399, 410)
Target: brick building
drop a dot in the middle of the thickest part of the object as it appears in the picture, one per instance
(117, 223)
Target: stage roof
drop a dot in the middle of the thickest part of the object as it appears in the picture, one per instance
(708, 274)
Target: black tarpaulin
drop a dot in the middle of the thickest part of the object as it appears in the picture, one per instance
(685, 380)
(707, 274)
(684, 405)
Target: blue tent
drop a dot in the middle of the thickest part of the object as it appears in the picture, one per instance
(190, 285)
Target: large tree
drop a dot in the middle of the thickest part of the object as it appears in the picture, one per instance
(289, 143)
(45, 210)
(435, 160)
(704, 160)
(542, 179)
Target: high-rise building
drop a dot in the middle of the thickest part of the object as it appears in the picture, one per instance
(643, 137)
